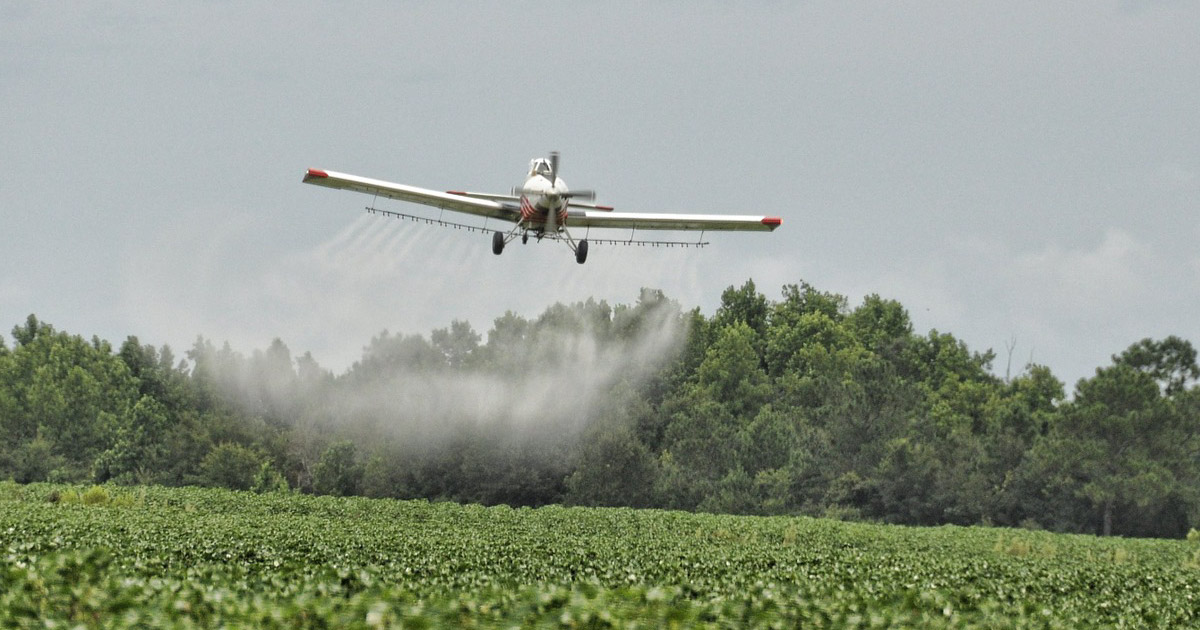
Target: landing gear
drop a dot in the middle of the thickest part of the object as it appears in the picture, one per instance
(500, 239)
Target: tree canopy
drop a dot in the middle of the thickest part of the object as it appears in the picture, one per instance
(801, 405)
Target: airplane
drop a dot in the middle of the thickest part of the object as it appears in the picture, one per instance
(543, 205)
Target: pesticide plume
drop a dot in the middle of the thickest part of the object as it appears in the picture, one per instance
(495, 418)
(531, 378)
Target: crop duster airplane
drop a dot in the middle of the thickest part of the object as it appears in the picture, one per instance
(543, 206)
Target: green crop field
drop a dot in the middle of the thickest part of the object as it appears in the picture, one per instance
(165, 558)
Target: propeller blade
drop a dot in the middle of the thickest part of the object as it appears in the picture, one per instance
(589, 195)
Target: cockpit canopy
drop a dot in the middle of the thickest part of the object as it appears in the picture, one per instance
(539, 166)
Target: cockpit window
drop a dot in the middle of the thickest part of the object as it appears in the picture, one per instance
(541, 167)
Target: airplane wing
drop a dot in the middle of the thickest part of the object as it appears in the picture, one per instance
(507, 207)
(664, 221)
(496, 208)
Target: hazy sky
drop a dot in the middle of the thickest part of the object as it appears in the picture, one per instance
(1019, 173)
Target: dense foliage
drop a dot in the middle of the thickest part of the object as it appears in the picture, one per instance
(183, 558)
(803, 405)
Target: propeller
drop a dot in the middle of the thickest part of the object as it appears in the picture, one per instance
(589, 195)
(574, 194)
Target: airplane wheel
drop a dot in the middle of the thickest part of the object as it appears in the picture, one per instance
(581, 252)
(525, 238)
(497, 243)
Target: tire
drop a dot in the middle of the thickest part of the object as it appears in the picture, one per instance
(497, 243)
(581, 252)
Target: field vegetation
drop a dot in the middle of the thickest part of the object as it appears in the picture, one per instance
(160, 557)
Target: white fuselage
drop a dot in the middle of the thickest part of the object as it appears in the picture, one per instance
(547, 201)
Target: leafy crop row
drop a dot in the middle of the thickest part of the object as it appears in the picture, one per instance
(187, 557)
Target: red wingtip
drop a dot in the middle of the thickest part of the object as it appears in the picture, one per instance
(456, 192)
(312, 172)
(772, 222)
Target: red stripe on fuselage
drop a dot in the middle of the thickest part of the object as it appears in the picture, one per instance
(528, 212)
(533, 214)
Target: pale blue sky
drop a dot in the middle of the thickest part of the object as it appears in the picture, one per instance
(1021, 171)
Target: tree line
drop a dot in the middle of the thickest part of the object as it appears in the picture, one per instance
(800, 405)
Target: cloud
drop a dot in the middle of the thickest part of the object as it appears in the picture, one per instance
(1174, 176)
(1070, 307)
(1118, 269)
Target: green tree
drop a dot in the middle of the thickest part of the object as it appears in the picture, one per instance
(906, 482)
(813, 344)
(769, 440)
(1123, 444)
(267, 479)
(734, 493)
(612, 465)
(272, 389)
(156, 373)
(731, 373)
(9, 422)
(702, 444)
(1018, 415)
(678, 487)
(939, 357)
(231, 465)
(389, 355)
(31, 330)
(73, 393)
(882, 326)
(614, 469)
(383, 476)
(743, 305)
(458, 343)
(1171, 362)
(139, 452)
(338, 471)
(34, 460)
